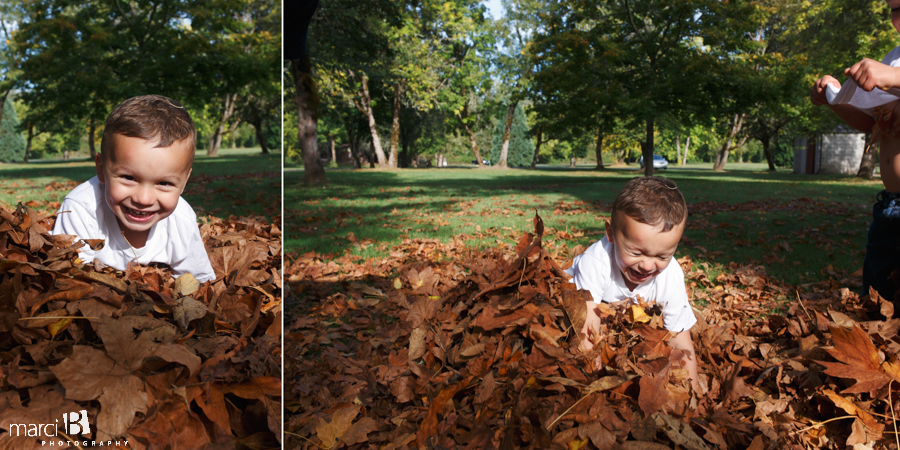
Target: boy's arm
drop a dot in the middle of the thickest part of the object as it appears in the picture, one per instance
(684, 342)
(849, 114)
(591, 326)
(854, 117)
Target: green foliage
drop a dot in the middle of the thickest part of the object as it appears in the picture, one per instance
(12, 143)
(783, 150)
(521, 147)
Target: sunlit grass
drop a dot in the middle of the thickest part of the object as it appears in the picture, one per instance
(792, 229)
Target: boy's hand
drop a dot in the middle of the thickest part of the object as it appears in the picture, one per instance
(817, 93)
(869, 74)
(590, 328)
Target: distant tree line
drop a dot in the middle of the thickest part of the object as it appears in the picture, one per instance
(66, 64)
(399, 82)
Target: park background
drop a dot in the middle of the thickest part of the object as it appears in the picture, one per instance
(584, 83)
(389, 252)
(64, 65)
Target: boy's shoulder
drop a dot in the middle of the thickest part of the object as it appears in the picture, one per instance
(88, 192)
(184, 211)
(601, 250)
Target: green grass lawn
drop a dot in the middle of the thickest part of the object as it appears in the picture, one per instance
(795, 225)
(237, 182)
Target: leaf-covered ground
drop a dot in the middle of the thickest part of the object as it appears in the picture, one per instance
(441, 346)
(157, 361)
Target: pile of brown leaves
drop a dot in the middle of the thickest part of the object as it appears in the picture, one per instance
(157, 361)
(439, 348)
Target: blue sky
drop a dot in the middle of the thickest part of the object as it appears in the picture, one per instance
(494, 8)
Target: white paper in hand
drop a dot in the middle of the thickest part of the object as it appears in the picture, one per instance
(851, 94)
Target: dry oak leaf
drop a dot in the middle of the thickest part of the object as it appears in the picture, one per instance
(423, 281)
(341, 428)
(852, 408)
(172, 426)
(653, 394)
(679, 432)
(186, 285)
(859, 360)
(438, 406)
(491, 318)
(90, 374)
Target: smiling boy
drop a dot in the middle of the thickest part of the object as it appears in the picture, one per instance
(637, 258)
(134, 203)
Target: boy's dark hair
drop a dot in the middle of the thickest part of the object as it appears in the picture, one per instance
(152, 118)
(651, 200)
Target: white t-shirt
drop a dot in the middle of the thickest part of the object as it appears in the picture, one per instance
(174, 240)
(596, 271)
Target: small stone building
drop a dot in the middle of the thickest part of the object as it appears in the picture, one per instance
(838, 154)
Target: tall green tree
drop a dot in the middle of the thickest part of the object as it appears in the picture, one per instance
(521, 20)
(79, 58)
(247, 36)
(462, 96)
(515, 139)
(648, 59)
(12, 143)
(11, 14)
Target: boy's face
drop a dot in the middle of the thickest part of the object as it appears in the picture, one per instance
(143, 183)
(642, 251)
(895, 13)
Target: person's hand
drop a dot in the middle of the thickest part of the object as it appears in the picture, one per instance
(869, 74)
(817, 93)
(590, 329)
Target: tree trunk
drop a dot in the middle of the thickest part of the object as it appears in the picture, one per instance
(767, 150)
(353, 144)
(307, 100)
(537, 148)
(3, 103)
(677, 148)
(28, 142)
(599, 147)
(333, 152)
(504, 149)
(647, 150)
(365, 106)
(869, 159)
(91, 129)
(737, 123)
(687, 145)
(258, 127)
(395, 127)
(472, 142)
(215, 141)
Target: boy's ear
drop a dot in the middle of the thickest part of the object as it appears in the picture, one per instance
(609, 231)
(186, 180)
(98, 162)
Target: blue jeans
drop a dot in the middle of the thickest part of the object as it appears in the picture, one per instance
(883, 247)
